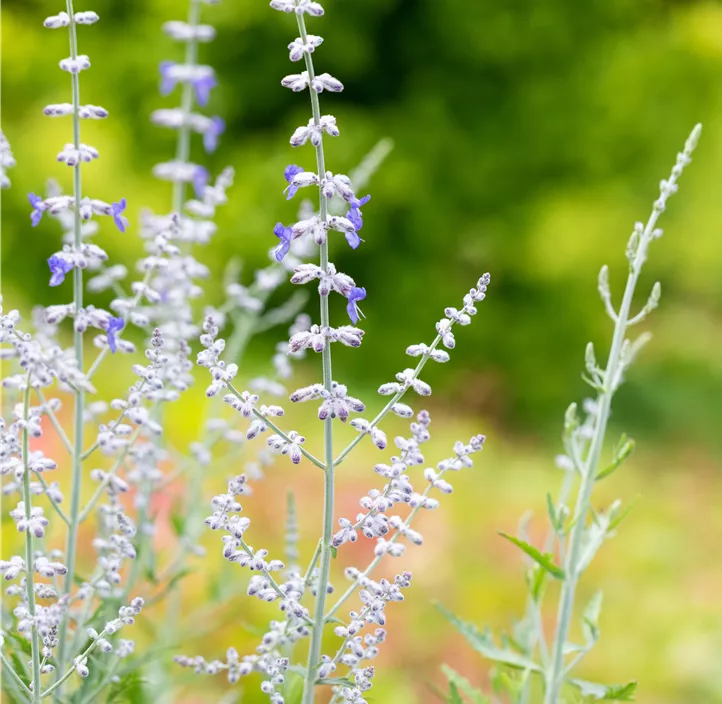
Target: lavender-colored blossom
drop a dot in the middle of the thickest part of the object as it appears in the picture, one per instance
(199, 180)
(211, 135)
(115, 325)
(59, 267)
(167, 80)
(285, 234)
(356, 294)
(37, 214)
(355, 215)
(203, 87)
(288, 174)
(118, 218)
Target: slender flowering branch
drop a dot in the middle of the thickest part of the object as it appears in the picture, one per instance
(274, 655)
(620, 356)
(33, 528)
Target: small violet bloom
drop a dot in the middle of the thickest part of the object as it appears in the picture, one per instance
(355, 214)
(355, 294)
(200, 180)
(211, 135)
(115, 325)
(59, 267)
(288, 174)
(203, 87)
(37, 203)
(167, 81)
(284, 234)
(119, 219)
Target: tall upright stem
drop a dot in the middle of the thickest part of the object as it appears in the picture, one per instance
(314, 653)
(555, 674)
(29, 556)
(183, 148)
(77, 477)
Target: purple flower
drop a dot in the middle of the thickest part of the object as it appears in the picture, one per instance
(352, 238)
(59, 267)
(203, 87)
(118, 218)
(355, 294)
(37, 203)
(285, 234)
(288, 174)
(115, 325)
(167, 81)
(200, 180)
(355, 214)
(210, 138)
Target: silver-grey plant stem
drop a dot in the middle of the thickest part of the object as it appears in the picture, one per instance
(77, 475)
(314, 652)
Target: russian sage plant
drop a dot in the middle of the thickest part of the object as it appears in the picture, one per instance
(302, 595)
(576, 534)
(59, 643)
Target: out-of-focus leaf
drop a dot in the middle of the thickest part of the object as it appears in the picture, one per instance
(624, 449)
(476, 696)
(454, 697)
(590, 618)
(606, 692)
(540, 558)
(483, 643)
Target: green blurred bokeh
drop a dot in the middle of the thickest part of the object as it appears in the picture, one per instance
(528, 137)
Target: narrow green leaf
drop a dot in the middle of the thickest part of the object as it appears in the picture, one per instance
(542, 559)
(590, 618)
(345, 681)
(476, 696)
(537, 581)
(607, 692)
(483, 643)
(552, 511)
(620, 516)
(624, 449)
(454, 696)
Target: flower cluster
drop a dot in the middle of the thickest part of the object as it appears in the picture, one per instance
(378, 520)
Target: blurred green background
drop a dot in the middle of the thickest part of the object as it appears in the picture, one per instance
(529, 137)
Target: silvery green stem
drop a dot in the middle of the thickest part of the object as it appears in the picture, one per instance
(77, 477)
(183, 148)
(556, 670)
(314, 652)
(533, 609)
(29, 553)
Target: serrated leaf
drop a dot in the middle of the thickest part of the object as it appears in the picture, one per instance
(607, 692)
(476, 696)
(177, 519)
(590, 618)
(483, 643)
(345, 681)
(619, 517)
(542, 559)
(454, 696)
(536, 580)
(624, 449)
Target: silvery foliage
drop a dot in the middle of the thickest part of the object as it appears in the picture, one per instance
(124, 454)
(577, 530)
(387, 512)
